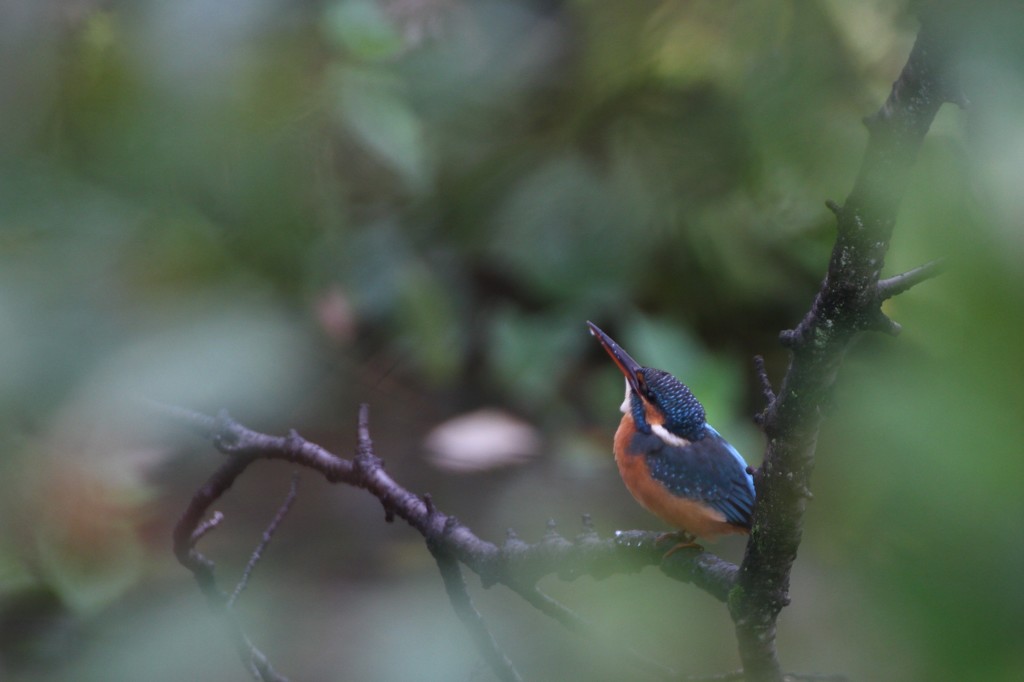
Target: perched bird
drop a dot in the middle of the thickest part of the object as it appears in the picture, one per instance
(671, 460)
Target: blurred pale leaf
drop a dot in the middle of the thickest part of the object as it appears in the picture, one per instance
(362, 27)
(480, 440)
(370, 103)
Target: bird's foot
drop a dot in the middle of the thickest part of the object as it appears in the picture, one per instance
(683, 539)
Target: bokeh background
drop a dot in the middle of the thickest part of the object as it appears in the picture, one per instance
(286, 207)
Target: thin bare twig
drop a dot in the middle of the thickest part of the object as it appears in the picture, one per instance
(458, 595)
(575, 623)
(189, 529)
(268, 534)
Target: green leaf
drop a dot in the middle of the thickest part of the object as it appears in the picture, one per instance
(370, 104)
(361, 27)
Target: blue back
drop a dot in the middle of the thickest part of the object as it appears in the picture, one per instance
(708, 470)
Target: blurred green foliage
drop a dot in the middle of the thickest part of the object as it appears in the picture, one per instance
(287, 207)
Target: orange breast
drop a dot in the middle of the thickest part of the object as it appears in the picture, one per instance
(689, 515)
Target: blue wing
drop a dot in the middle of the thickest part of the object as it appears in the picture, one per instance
(709, 470)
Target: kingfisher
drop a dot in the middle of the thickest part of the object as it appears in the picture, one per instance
(672, 461)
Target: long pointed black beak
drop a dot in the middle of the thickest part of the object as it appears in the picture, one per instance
(627, 365)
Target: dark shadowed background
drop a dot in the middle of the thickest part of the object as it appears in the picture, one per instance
(288, 207)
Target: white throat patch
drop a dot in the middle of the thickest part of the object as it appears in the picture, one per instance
(624, 407)
(668, 437)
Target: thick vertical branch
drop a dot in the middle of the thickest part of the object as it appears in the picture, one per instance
(848, 302)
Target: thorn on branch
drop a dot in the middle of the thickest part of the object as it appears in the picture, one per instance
(512, 543)
(364, 427)
(588, 529)
(766, 383)
(551, 527)
(552, 538)
(835, 208)
(897, 284)
(206, 526)
(293, 443)
(789, 338)
(365, 460)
